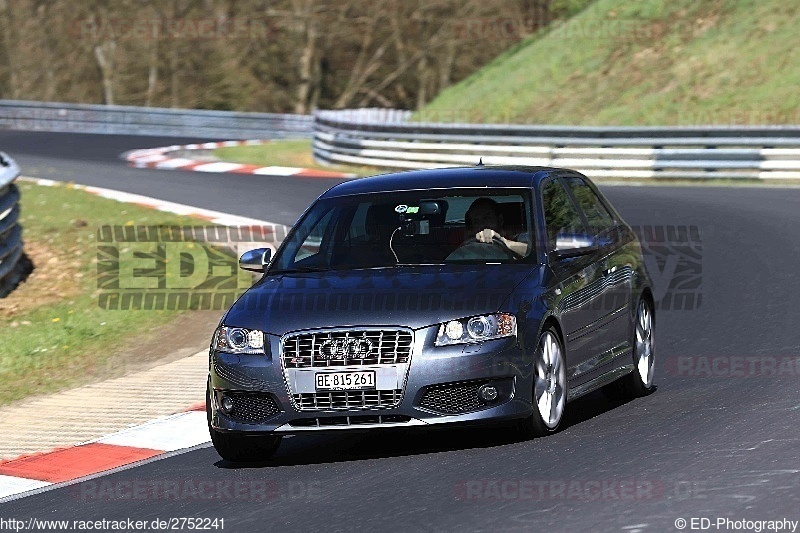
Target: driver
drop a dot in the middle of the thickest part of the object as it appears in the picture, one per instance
(485, 222)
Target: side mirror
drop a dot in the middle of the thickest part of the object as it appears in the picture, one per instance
(574, 245)
(255, 260)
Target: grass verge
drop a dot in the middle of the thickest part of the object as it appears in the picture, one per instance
(55, 335)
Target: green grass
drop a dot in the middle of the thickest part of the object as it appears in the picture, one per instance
(294, 153)
(643, 63)
(55, 335)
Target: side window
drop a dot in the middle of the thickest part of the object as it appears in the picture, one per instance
(358, 227)
(560, 214)
(597, 216)
(312, 244)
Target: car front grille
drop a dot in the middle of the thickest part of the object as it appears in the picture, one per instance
(354, 399)
(453, 398)
(252, 407)
(347, 347)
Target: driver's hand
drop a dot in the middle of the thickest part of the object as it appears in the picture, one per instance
(487, 235)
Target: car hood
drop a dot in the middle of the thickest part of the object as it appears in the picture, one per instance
(413, 297)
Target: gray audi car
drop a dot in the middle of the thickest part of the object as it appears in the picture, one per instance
(433, 298)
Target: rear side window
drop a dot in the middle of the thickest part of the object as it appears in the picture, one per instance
(597, 216)
(560, 214)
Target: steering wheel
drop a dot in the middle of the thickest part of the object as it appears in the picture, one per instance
(473, 249)
(497, 241)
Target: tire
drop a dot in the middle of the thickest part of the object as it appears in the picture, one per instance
(240, 448)
(639, 382)
(549, 395)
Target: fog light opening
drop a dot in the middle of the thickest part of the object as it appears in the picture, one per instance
(488, 393)
(227, 404)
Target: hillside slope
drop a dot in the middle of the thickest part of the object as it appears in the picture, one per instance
(648, 62)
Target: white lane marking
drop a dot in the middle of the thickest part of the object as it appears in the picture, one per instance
(117, 195)
(220, 166)
(47, 183)
(174, 163)
(184, 210)
(10, 485)
(278, 171)
(176, 432)
(148, 158)
(237, 221)
(172, 207)
(135, 154)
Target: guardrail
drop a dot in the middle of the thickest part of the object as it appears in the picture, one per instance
(11, 255)
(386, 138)
(129, 120)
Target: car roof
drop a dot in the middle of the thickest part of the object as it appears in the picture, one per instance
(477, 176)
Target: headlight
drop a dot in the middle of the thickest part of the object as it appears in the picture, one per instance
(477, 329)
(238, 340)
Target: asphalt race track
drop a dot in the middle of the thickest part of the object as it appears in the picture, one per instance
(94, 160)
(718, 439)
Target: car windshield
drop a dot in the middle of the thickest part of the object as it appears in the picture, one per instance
(410, 228)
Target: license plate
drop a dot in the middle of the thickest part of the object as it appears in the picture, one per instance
(345, 380)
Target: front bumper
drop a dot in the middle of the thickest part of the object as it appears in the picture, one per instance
(436, 386)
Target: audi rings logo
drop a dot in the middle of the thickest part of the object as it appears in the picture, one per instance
(345, 348)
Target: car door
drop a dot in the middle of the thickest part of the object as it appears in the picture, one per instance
(615, 265)
(579, 283)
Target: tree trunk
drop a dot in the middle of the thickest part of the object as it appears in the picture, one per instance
(446, 64)
(152, 76)
(104, 53)
(538, 12)
(173, 77)
(422, 77)
(10, 46)
(305, 66)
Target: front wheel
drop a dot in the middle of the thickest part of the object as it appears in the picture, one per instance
(549, 388)
(639, 382)
(238, 448)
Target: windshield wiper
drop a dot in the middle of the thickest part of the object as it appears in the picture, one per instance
(418, 264)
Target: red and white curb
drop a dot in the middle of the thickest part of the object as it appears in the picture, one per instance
(160, 158)
(181, 431)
